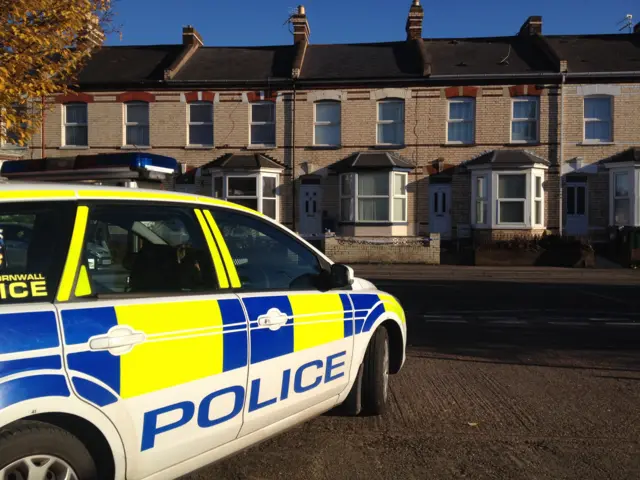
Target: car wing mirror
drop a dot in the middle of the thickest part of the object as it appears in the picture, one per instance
(341, 276)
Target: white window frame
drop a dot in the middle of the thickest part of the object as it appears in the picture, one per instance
(632, 173)
(478, 199)
(251, 123)
(402, 196)
(390, 198)
(586, 120)
(515, 100)
(260, 194)
(316, 123)
(493, 201)
(390, 122)
(522, 200)
(191, 123)
(127, 123)
(538, 198)
(67, 124)
(472, 101)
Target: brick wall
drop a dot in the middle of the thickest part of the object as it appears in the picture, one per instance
(425, 139)
(352, 250)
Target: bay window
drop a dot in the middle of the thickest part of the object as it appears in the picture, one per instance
(460, 121)
(598, 119)
(373, 197)
(326, 130)
(524, 120)
(390, 122)
(252, 190)
(508, 198)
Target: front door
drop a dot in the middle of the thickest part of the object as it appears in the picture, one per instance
(310, 209)
(152, 335)
(440, 211)
(301, 338)
(576, 207)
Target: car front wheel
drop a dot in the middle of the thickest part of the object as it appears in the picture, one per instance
(375, 375)
(35, 450)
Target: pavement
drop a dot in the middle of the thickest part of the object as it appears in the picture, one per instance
(494, 387)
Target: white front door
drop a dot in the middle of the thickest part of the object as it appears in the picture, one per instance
(576, 208)
(310, 212)
(440, 210)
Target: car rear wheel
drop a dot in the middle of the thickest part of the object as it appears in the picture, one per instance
(38, 451)
(375, 374)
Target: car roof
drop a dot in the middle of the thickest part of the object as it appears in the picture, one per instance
(16, 191)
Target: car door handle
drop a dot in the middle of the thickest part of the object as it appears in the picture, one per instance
(119, 340)
(274, 319)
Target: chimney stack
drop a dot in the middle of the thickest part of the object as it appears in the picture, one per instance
(190, 36)
(414, 22)
(532, 26)
(300, 24)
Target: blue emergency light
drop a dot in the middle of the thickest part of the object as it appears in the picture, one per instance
(103, 166)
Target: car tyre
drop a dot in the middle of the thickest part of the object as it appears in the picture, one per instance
(375, 375)
(30, 447)
(352, 406)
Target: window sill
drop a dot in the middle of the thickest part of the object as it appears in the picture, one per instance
(594, 144)
(324, 147)
(135, 147)
(13, 148)
(199, 147)
(389, 146)
(517, 226)
(260, 147)
(373, 224)
(529, 144)
(74, 147)
(453, 144)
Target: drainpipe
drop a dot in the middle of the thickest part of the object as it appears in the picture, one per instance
(293, 160)
(561, 156)
(42, 139)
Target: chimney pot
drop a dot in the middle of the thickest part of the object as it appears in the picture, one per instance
(190, 36)
(414, 21)
(532, 26)
(300, 24)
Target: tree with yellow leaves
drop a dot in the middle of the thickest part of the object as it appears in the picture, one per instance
(43, 45)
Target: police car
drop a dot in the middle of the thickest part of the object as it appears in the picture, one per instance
(211, 329)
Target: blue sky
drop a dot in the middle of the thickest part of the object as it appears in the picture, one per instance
(260, 22)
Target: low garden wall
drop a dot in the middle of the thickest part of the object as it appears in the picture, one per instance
(418, 250)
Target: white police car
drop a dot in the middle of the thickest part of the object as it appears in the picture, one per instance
(211, 329)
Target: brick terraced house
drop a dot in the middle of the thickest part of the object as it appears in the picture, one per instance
(492, 137)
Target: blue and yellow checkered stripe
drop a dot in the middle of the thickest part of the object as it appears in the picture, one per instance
(212, 338)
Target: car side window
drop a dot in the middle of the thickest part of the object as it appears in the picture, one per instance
(34, 237)
(139, 249)
(266, 257)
